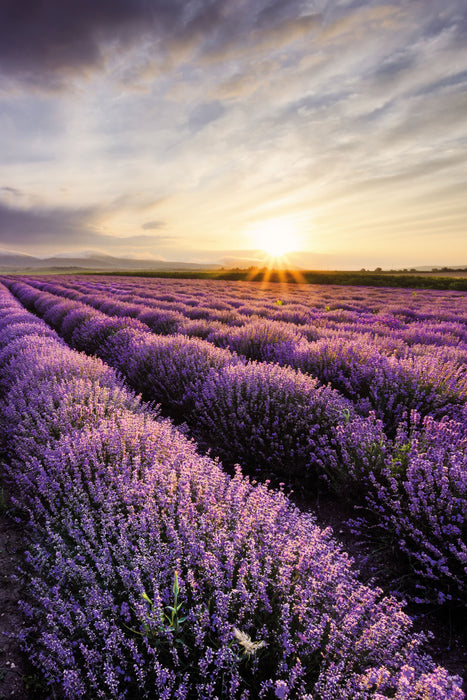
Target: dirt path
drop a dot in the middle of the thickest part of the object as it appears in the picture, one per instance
(12, 662)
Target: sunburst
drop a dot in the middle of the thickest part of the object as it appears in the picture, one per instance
(276, 238)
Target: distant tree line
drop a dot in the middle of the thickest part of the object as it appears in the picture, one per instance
(377, 278)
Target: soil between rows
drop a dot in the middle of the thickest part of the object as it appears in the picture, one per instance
(13, 667)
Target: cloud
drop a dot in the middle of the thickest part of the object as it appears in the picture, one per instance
(239, 85)
(31, 129)
(43, 43)
(11, 191)
(205, 113)
(152, 225)
(274, 11)
(57, 229)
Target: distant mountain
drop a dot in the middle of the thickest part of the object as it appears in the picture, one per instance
(18, 262)
(9, 259)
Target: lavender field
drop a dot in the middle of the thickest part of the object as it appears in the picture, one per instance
(140, 419)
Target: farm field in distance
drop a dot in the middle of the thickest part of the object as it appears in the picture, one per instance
(165, 444)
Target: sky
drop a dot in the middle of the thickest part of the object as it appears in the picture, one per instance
(210, 130)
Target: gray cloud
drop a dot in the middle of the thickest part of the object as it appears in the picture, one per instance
(152, 225)
(275, 11)
(11, 190)
(37, 229)
(392, 66)
(39, 42)
(205, 113)
(42, 43)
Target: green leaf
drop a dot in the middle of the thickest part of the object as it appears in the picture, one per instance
(146, 598)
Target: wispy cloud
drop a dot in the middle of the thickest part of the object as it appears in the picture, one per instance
(152, 225)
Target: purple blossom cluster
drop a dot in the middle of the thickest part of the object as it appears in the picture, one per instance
(272, 419)
(154, 574)
(276, 419)
(388, 385)
(416, 495)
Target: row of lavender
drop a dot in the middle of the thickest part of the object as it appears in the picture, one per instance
(271, 418)
(153, 574)
(396, 320)
(375, 367)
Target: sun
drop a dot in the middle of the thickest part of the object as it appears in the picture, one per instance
(276, 237)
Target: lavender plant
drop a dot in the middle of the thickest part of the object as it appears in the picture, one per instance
(416, 494)
(271, 419)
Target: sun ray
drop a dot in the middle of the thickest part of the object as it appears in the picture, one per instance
(276, 238)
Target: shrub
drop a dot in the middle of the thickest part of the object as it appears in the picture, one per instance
(418, 497)
(263, 340)
(271, 419)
